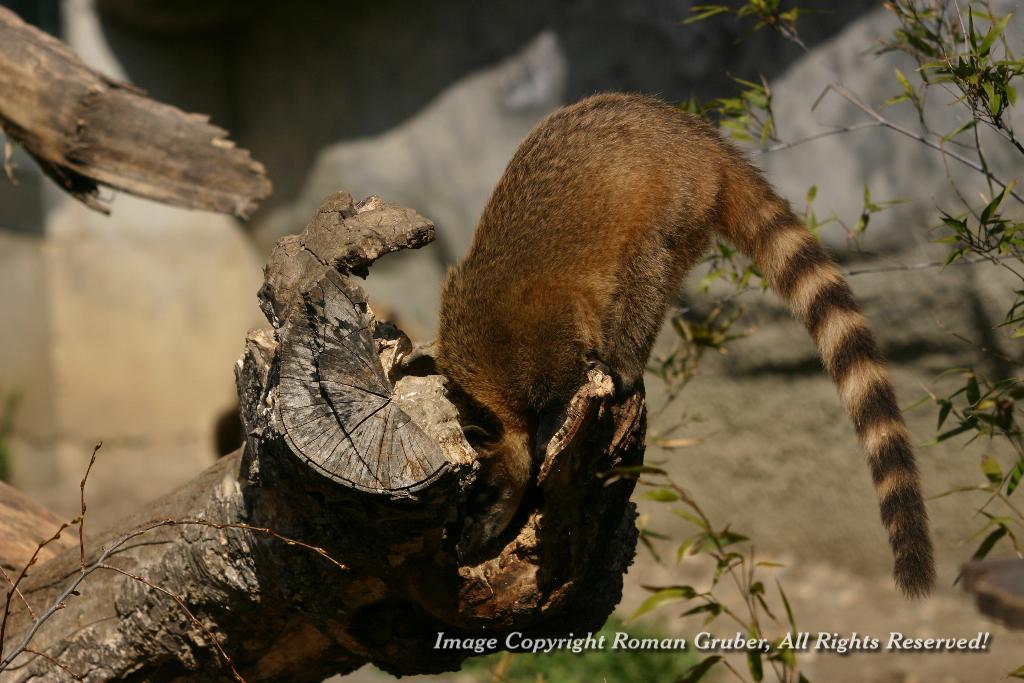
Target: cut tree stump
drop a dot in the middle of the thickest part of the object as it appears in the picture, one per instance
(331, 540)
(86, 130)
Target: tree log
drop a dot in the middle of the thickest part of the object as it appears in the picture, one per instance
(84, 130)
(331, 539)
(998, 586)
(26, 524)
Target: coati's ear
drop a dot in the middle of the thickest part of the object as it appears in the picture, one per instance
(479, 424)
(477, 435)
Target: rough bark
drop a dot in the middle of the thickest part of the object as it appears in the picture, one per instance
(85, 130)
(998, 586)
(330, 541)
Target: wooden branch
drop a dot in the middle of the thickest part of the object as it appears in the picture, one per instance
(331, 541)
(85, 130)
(25, 524)
(998, 586)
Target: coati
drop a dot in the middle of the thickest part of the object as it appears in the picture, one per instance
(601, 212)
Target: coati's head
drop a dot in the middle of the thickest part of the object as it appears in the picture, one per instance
(504, 450)
(505, 469)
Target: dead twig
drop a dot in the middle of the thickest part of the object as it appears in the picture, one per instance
(181, 603)
(81, 518)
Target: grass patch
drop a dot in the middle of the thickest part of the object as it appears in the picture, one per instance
(591, 666)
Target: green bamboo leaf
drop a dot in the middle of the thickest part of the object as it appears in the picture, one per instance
(988, 543)
(690, 517)
(990, 209)
(994, 100)
(991, 468)
(684, 547)
(973, 393)
(954, 255)
(706, 281)
(703, 12)
(965, 426)
(989, 419)
(756, 98)
(697, 671)
(789, 610)
(908, 89)
(994, 32)
(967, 126)
(960, 489)
(784, 655)
(713, 609)
(944, 411)
(749, 84)
(661, 496)
(754, 664)
(765, 607)
(729, 537)
(1013, 481)
(661, 597)
(654, 534)
(954, 223)
(636, 469)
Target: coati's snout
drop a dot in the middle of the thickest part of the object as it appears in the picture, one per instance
(503, 450)
(506, 467)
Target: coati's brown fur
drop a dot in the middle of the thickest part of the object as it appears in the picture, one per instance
(580, 250)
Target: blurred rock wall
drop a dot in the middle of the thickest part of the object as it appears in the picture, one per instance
(124, 328)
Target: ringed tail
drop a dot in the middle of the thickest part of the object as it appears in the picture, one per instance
(762, 225)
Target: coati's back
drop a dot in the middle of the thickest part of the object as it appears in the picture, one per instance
(579, 252)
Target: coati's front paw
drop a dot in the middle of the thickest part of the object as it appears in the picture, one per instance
(622, 386)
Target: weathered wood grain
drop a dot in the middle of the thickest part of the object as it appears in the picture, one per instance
(334, 399)
(327, 543)
(86, 130)
(342, 236)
